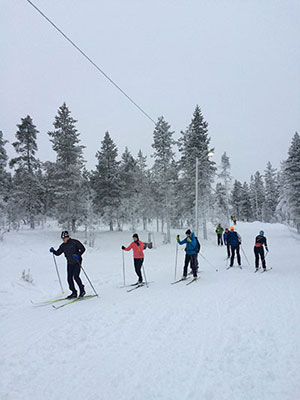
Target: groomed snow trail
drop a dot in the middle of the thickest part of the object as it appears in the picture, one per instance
(232, 335)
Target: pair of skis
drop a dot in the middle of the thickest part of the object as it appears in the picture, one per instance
(240, 267)
(264, 270)
(52, 302)
(182, 280)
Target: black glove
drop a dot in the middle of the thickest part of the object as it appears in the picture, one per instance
(123, 247)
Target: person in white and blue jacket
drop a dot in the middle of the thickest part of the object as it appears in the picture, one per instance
(191, 250)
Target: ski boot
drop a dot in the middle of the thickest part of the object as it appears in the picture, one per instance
(73, 295)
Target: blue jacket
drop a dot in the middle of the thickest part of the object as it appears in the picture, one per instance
(234, 239)
(191, 247)
(225, 234)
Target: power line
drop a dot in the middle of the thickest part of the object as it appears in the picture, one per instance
(91, 61)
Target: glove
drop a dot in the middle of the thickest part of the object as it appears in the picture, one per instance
(76, 257)
(188, 239)
(177, 238)
(52, 250)
(123, 247)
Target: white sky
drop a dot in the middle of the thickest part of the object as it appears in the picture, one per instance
(239, 60)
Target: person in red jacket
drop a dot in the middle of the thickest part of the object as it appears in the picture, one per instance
(138, 255)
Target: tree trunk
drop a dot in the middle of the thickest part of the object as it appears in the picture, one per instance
(31, 222)
(111, 225)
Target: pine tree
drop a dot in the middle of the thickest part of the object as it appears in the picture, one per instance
(106, 182)
(129, 191)
(226, 178)
(163, 143)
(68, 180)
(193, 144)
(27, 192)
(4, 183)
(245, 209)
(236, 198)
(271, 193)
(292, 175)
(221, 204)
(257, 195)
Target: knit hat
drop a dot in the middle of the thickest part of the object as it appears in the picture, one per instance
(188, 232)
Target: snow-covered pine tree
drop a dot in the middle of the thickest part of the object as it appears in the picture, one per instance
(292, 175)
(236, 198)
(221, 205)
(195, 143)
(245, 209)
(27, 191)
(68, 181)
(162, 171)
(129, 189)
(282, 209)
(144, 190)
(4, 182)
(224, 174)
(257, 195)
(271, 193)
(106, 182)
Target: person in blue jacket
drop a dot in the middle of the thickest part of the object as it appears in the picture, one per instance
(234, 240)
(191, 252)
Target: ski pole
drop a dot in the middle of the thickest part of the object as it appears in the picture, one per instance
(145, 275)
(88, 278)
(245, 255)
(208, 262)
(176, 260)
(62, 290)
(123, 267)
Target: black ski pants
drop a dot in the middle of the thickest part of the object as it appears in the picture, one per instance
(220, 240)
(237, 250)
(73, 275)
(138, 262)
(190, 258)
(228, 250)
(259, 252)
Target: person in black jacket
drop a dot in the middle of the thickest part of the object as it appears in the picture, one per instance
(260, 242)
(73, 250)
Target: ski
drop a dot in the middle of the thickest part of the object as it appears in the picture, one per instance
(44, 303)
(229, 267)
(193, 280)
(135, 287)
(266, 270)
(179, 280)
(74, 300)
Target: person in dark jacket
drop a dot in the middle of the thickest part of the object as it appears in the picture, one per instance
(225, 234)
(73, 250)
(260, 242)
(234, 240)
(190, 252)
(138, 256)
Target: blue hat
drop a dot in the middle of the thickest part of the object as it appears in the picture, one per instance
(261, 233)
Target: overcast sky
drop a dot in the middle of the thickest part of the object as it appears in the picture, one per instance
(239, 60)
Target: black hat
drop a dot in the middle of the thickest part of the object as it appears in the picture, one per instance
(135, 235)
(64, 234)
(188, 232)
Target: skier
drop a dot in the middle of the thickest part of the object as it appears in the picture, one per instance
(73, 250)
(219, 232)
(234, 219)
(138, 256)
(260, 242)
(226, 242)
(191, 252)
(234, 240)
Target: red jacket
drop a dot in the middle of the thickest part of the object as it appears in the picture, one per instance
(137, 250)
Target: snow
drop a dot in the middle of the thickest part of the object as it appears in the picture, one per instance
(231, 335)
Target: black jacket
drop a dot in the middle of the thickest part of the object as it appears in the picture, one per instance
(260, 241)
(70, 248)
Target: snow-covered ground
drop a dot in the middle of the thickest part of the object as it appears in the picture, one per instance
(231, 335)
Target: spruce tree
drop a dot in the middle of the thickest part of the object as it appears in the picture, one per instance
(226, 178)
(4, 182)
(292, 175)
(236, 198)
(271, 193)
(27, 192)
(193, 144)
(162, 171)
(106, 182)
(257, 195)
(221, 205)
(68, 180)
(245, 209)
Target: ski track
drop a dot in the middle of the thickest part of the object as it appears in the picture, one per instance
(232, 335)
